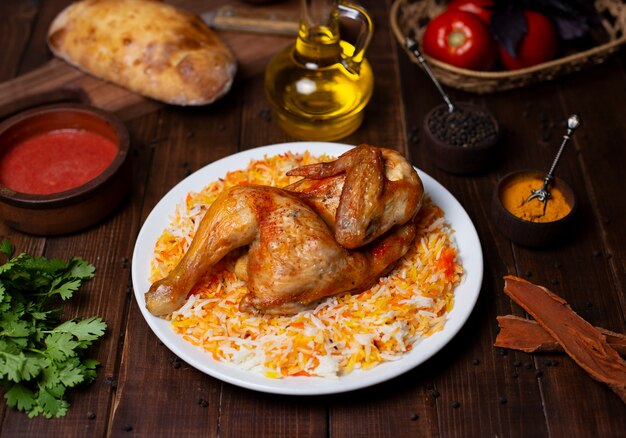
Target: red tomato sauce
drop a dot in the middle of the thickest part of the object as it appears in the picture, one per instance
(55, 161)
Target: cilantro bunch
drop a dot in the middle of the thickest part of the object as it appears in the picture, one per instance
(40, 357)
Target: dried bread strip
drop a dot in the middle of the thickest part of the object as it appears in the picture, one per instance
(526, 335)
(580, 340)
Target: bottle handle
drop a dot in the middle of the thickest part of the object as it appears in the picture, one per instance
(366, 30)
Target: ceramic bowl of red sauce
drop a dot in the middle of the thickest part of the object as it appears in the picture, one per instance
(63, 168)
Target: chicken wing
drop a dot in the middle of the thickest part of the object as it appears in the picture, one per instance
(293, 258)
(362, 194)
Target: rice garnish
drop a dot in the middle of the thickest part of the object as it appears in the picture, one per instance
(342, 333)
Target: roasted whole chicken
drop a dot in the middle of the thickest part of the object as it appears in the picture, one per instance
(294, 258)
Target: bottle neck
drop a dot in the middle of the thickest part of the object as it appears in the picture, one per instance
(318, 35)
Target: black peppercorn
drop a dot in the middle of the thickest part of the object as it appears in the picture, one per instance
(265, 114)
(462, 127)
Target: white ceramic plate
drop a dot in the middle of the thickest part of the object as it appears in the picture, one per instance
(466, 293)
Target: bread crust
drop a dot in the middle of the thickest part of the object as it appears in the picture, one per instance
(147, 46)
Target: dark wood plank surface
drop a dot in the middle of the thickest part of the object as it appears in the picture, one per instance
(469, 388)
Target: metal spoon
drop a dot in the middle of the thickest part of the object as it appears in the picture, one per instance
(543, 194)
(413, 47)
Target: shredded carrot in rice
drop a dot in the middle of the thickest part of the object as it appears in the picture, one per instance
(342, 333)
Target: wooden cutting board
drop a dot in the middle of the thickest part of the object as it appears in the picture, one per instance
(56, 80)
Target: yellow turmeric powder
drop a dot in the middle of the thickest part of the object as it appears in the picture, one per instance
(515, 193)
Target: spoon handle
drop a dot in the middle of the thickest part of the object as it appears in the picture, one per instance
(543, 193)
(573, 122)
(414, 48)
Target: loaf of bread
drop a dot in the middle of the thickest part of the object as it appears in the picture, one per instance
(147, 46)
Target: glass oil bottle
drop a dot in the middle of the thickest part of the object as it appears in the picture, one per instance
(319, 86)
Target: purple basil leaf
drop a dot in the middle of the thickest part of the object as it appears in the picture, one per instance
(508, 27)
(563, 8)
(573, 18)
(570, 28)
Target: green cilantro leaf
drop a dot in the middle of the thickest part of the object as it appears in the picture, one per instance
(67, 289)
(40, 356)
(89, 369)
(43, 265)
(79, 268)
(60, 346)
(7, 267)
(86, 331)
(71, 374)
(7, 249)
(11, 365)
(17, 329)
(32, 366)
(49, 377)
(52, 406)
(20, 397)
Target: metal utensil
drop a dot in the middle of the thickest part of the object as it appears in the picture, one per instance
(543, 194)
(252, 20)
(413, 47)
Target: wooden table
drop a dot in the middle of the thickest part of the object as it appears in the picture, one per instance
(143, 389)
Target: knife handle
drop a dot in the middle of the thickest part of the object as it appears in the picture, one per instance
(252, 20)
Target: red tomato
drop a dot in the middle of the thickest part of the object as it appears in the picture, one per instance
(538, 45)
(460, 39)
(482, 8)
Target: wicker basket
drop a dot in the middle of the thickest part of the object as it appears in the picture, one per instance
(408, 18)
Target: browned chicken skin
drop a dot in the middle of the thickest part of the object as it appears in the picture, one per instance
(362, 194)
(294, 257)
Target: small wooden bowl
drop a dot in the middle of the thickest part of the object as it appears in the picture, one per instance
(80, 207)
(528, 233)
(456, 159)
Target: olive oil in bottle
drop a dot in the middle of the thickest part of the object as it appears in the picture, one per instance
(319, 86)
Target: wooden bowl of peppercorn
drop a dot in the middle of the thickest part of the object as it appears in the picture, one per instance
(463, 141)
(527, 223)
